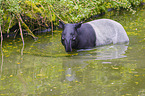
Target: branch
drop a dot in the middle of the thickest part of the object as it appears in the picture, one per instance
(20, 27)
(21, 33)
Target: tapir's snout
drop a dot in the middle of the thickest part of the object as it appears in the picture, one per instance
(68, 50)
(68, 47)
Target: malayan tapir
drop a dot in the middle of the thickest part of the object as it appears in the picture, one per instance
(94, 33)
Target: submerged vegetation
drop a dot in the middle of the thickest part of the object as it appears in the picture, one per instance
(33, 15)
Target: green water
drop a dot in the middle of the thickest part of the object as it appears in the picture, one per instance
(43, 68)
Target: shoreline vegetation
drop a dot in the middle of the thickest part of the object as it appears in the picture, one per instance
(30, 16)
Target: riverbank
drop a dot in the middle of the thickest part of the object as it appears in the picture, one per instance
(33, 16)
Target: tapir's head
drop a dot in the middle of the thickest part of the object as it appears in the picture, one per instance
(69, 35)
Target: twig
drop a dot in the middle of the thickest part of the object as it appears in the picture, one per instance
(16, 31)
(75, 2)
(9, 26)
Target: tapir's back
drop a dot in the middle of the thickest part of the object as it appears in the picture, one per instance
(108, 31)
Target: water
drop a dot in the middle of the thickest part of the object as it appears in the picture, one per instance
(44, 68)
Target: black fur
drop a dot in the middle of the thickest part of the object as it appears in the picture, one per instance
(86, 37)
(77, 36)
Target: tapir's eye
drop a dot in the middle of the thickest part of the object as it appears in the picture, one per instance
(74, 38)
(62, 38)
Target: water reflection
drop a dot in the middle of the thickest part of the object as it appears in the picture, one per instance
(1, 49)
(1, 58)
(71, 68)
(72, 64)
(105, 52)
(70, 74)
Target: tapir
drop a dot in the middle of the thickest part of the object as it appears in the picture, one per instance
(94, 33)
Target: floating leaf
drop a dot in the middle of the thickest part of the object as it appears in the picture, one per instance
(18, 63)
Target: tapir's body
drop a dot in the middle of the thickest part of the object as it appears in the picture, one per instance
(91, 34)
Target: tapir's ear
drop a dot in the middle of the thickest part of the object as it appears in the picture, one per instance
(78, 25)
(61, 24)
